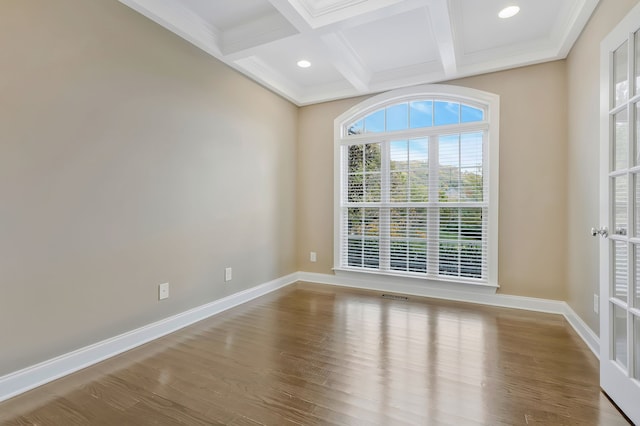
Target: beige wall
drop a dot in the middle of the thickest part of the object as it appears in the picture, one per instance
(533, 159)
(583, 71)
(128, 158)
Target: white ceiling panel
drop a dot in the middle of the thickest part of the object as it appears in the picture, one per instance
(479, 28)
(284, 55)
(365, 46)
(401, 39)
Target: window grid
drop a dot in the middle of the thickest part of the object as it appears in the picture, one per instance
(437, 229)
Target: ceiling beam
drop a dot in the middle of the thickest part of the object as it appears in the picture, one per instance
(173, 15)
(293, 15)
(345, 59)
(440, 19)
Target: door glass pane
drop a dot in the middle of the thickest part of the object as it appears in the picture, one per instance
(620, 261)
(636, 205)
(636, 278)
(637, 148)
(620, 335)
(637, 61)
(636, 345)
(620, 69)
(621, 140)
(620, 199)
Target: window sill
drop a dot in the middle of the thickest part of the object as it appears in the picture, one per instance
(419, 286)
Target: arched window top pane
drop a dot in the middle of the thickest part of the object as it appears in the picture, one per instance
(415, 115)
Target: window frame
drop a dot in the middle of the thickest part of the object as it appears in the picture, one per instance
(489, 102)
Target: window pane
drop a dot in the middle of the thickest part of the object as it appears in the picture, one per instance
(399, 168)
(620, 261)
(446, 113)
(364, 173)
(397, 117)
(471, 224)
(620, 199)
(449, 224)
(419, 170)
(372, 157)
(620, 335)
(363, 235)
(421, 114)
(355, 191)
(355, 231)
(417, 223)
(371, 222)
(621, 140)
(449, 173)
(399, 256)
(449, 258)
(461, 248)
(398, 236)
(399, 155)
(356, 159)
(398, 223)
(355, 220)
(621, 83)
(417, 256)
(356, 128)
(354, 252)
(471, 184)
(374, 123)
(408, 250)
(371, 251)
(471, 260)
(372, 187)
(471, 114)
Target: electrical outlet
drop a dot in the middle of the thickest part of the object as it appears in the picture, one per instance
(228, 274)
(163, 291)
(596, 303)
(312, 256)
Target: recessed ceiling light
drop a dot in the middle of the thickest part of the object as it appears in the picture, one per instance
(304, 63)
(508, 12)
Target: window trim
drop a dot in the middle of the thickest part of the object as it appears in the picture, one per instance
(473, 97)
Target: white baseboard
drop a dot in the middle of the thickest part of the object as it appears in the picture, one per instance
(502, 300)
(584, 331)
(31, 377)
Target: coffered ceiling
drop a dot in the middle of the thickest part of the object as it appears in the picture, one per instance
(357, 47)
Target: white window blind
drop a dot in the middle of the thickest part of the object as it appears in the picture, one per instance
(414, 192)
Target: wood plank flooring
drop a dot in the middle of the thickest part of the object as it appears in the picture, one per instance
(311, 354)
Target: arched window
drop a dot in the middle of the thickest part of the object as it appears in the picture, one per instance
(416, 185)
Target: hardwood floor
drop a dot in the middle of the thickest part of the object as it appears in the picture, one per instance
(311, 354)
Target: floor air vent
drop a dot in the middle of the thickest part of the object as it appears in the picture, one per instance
(394, 297)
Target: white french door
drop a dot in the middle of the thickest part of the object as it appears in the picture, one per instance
(620, 216)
